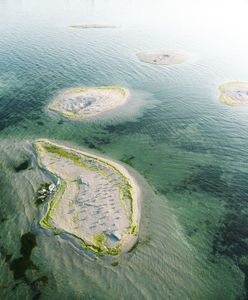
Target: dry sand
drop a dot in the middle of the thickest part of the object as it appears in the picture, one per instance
(163, 57)
(100, 204)
(89, 26)
(234, 93)
(84, 103)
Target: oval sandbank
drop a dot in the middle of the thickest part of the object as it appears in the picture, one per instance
(83, 103)
(234, 93)
(97, 201)
(163, 57)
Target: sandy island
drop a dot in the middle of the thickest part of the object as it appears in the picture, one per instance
(97, 201)
(234, 93)
(84, 103)
(163, 57)
(90, 26)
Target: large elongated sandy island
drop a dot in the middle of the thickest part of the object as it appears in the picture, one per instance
(234, 93)
(163, 57)
(97, 201)
(84, 103)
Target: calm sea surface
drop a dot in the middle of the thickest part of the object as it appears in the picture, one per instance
(189, 149)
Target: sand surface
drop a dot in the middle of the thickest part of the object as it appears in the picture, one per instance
(84, 103)
(96, 205)
(89, 26)
(163, 57)
(234, 93)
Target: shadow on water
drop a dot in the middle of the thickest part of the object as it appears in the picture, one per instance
(20, 265)
(22, 166)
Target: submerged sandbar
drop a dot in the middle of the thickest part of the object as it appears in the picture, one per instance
(90, 26)
(96, 203)
(163, 57)
(234, 93)
(84, 103)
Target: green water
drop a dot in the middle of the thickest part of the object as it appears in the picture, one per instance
(188, 149)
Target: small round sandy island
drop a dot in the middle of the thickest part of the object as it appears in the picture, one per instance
(84, 103)
(92, 26)
(97, 201)
(163, 57)
(234, 93)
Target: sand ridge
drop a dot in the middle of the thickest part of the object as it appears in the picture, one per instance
(84, 103)
(234, 93)
(92, 26)
(163, 57)
(98, 201)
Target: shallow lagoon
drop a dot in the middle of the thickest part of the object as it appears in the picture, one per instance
(190, 148)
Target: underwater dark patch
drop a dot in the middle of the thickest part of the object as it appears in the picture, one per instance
(36, 285)
(231, 236)
(115, 263)
(17, 107)
(20, 265)
(23, 166)
(127, 159)
(206, 179)
(3, 219)
(96, 142)
(90, 145)
(231, 240)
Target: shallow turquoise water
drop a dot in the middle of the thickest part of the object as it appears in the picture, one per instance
(190, 148)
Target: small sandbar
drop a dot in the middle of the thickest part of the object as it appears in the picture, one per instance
(163, 57)
(234, 93)
(97, 201)
(92, 26)
(84, 103)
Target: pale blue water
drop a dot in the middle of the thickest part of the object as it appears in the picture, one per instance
(190, 148)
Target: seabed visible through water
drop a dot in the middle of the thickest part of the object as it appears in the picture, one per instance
(187, 150)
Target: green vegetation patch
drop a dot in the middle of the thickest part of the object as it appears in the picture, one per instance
(46, 220)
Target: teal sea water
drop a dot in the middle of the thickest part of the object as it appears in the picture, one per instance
(189, 149)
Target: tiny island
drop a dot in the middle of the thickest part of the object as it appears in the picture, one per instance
(234, 93)
(163, 57)
(96, 201)
(92, 26)
(83, 103)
